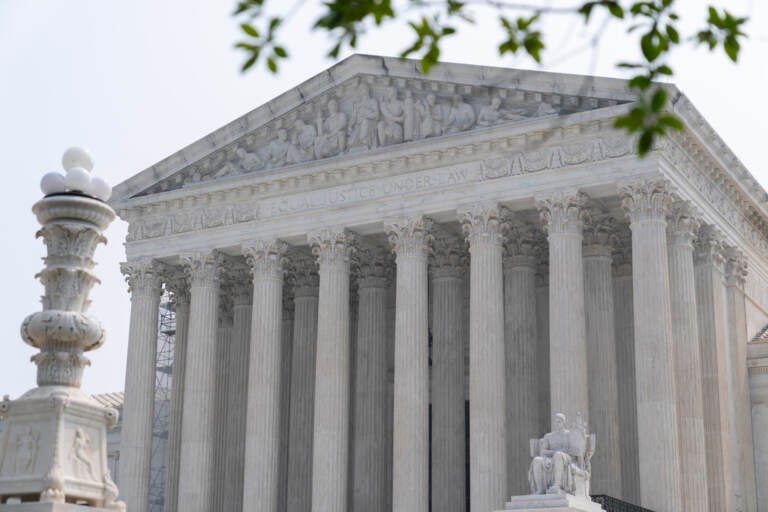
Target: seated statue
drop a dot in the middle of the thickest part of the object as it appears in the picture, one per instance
(561, 459)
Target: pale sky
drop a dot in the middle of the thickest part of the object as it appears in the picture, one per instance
(136, 81)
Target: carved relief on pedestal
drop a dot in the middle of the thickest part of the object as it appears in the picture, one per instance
(81, 455)
(27, 444)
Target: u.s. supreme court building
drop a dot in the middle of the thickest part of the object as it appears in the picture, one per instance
(386, 284)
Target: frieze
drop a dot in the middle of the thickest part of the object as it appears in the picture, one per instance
(367, 112)
(181, 216)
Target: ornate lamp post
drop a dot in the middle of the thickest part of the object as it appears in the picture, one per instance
(53, 448)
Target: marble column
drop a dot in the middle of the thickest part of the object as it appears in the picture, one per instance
(237, 388)
(138, 411)
(647, 204)
(197, 430)
(625, 365)
(523, 354)
(744, 466)
(599, 234)
(370, 397)
(302, 384)
(389, 417)
(410, 439)
(758, 381)
(330, 445)
(179, 288)
(483, 225)
(222, 418)
(447, 269)
(563, 216)
(262, 432)
(709, 273)
(542, 326)
(286, 357)
(685, 341)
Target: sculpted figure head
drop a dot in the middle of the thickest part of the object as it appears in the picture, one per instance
(333, 106)
(282, 134)
(558, 422)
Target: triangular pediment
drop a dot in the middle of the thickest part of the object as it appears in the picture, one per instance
(365, 103)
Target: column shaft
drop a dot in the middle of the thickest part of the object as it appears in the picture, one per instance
(656, 409)
(686, 350)
(180, 290)
(222, 418)
(237, 391)
(758, 379)
(410, 451)
(448, 418)
(522, 365)
(138, 410)
(487, 392)
(262, 434)
(197, 441)
(302, 387)
(286, 356)
(331, 419)
(601, 354)
(369, 462)
(563, 216)
(542, 326)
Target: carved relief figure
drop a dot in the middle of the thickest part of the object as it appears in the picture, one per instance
(431, 117)
(26, 451)
(365, 116)
(81, 455)
(409, 116)
(545, 109)
(303, 142)
(461, 116)
(393, 114)
(561, 460)
(248, 161)
(493, 114)
(277, 149)
(331, 133)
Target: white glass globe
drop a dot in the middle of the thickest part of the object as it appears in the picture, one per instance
(100, 189)
(52, 183)
(77, 157)
(78, 179)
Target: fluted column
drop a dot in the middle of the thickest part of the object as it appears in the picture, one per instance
(410, 440)
(601, 354)
(687, 358)
(237, 389)
(138, 411)
(646, 204)
(625, 365)
(758, 382)
(542, 326)
(302, 385)
(369, 462)
(179, 288)
(744, 463)
(523, 354)
(448, 266)
(330, 445)
(563, 216)
(222, 418)
(286, 356)
(197, 441)
(712, 323)
(483, 226)
(262, 432)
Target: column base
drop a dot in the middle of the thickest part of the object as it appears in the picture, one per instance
(50, 507)
(551, 503)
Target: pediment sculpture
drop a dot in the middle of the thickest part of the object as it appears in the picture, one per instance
(561, 459)
(366, 113)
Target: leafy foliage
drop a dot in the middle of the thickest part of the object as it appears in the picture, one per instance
(653, 22)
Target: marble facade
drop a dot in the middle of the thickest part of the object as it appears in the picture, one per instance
(403, 246)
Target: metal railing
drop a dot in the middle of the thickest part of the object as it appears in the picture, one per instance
(611, 504)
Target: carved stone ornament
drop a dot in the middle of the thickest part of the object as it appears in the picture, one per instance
(374, 266)
(53, 441)
(522, 247)
(410, 237)
(563, 211)
(332, 246)
(265, 258)
(682, 224)
(647, 200)
(203, 269)
(709, 247)
(449, 256)
(735, 267)
(142, 276)
(305, 279)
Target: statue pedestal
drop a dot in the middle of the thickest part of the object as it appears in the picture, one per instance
(552, 503)
(55, 456)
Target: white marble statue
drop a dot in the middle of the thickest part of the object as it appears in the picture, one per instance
(365, 118)
(561, 459)
(390, 128)
(302, 147)
(331, 132)
(430, 116)
(461, 116)
(277, 150)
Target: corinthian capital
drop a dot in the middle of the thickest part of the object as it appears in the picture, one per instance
(709, 247)
(484, 223)
(735, 267)
(374, 266)
(410, 236)
(142, 276)
(332, 245)
(449, 256)
(522, 247)
(177, 282)
(305, 279)
(242, 286)
(682, 225)
(203, 269)
(647, 200)
(563, 212)
(265, 258)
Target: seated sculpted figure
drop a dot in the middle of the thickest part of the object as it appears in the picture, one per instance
(561, 459)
